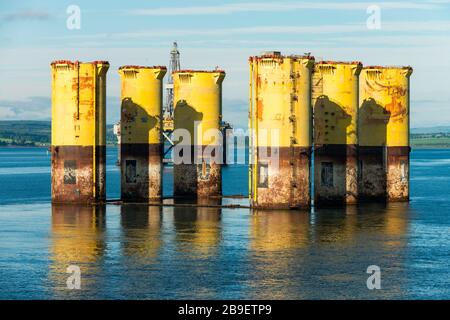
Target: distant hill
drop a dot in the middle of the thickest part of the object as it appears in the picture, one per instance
(34, 133)
(437, 129)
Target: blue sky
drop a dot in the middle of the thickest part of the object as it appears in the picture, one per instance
(221, 33)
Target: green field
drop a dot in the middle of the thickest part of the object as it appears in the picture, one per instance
(430, 142)
(35, 133)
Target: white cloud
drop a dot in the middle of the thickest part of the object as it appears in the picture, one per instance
(33, 108)
(278, 6)
(411, 27)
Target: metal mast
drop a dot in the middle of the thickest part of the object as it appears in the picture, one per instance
(174, 65)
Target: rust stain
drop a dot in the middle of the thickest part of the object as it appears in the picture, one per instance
(90, 112)
(397, 181)
(141, 172)
(259, 109)
(395, 107)
(335, 175)
(198, 180)
(288, 180)
(76, 162)
(86, 82)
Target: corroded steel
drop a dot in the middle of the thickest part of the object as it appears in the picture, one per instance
(141, 141)
(280, 120)
(384, 133)
(198, 111)
(335, 103)
(78, 131)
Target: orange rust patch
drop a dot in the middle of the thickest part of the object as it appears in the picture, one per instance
(339, 62)
(86, 82)
(198, 71)
(67, 62)
(259, 109)
(142, 67)
(90, 113)
(395, 107)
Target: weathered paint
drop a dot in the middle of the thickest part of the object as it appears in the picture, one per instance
(198, 109)
(335, 173)
(384, 133)
(335, 103)
(141, 172)
(280, 118)
(78, 131)
(372, 173)
(141, 141)
(397, 182)
(202, 178)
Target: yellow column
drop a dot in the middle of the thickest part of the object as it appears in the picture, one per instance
(280, 118)
(141, 141)
(78, 131)
(335, 102)
(384, 133)
(197, 115)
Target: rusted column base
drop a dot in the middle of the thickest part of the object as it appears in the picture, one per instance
(200, 179)
(335, 175)
(141, 172)
(397, 181)
(372, 182)
(73, 174)
(284, 184)
(197, 180)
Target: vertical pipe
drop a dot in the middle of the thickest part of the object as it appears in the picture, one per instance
(251, 131)
(141, 142)
(198, 157)
(77, 146)
(101, 131)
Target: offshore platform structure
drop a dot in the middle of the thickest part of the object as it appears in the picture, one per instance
(174, 65)
(168, 109)
(167, 127)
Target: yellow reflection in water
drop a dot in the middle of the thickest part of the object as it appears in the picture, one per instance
(198, 229)
(292, 251)
(141, 230)
(341, 226)
(277, 242)
(396, 223)
(77, 238)
(279, 229)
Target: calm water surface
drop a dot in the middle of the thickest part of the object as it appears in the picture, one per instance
(142, 252)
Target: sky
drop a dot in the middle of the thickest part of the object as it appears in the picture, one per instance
(214, 33)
